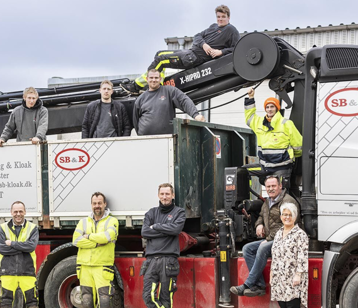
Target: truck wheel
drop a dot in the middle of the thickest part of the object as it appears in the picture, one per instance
(62, 280)
(59, 284)
(349, 293)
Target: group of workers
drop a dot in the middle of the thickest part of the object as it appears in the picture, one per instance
(279, 142)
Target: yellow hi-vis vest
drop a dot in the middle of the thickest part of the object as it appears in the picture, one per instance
(22, 264)
(99, 248)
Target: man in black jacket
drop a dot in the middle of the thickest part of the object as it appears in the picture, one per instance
(105, 117)
(161, 228)
(216, 41)
(18, 241)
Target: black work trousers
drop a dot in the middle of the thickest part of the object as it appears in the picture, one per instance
(179, 59)
(160, 278)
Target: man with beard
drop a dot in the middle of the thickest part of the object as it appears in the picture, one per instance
(29, 121)
(268, 223)
(95, 237)
(161, 228)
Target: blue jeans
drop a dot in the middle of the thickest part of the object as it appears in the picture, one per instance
(256, 256)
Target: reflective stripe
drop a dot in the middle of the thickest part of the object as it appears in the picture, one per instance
(108, 236)
(270, 165)
(247, 107)
(278, 151)
(284, 120)
(152, 295)
(79, 231)
(106, 223)
(249, 120)
(171, 292)
(161, 63)
(165, 53)
(7, 232)
(252, 169)
(142, 80)
(77, 240)
(113, 228)
(84, 225)
(297, 148)
(28, 233)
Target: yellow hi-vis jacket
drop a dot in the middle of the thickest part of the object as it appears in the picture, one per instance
(98, 249)
(277, 147)
(19, 259)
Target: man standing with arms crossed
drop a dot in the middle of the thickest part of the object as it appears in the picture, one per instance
(95, 237)
(18, 240)
(161, 228)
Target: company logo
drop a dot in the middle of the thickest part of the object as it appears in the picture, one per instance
(162, 98)
(170, 217)
(72, 159)
(343, 102)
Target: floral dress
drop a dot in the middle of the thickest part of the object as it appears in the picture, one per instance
(289, 256)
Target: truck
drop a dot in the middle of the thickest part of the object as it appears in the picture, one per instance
(204, 163)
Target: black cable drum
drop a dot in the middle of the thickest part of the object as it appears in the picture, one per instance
(256, 56)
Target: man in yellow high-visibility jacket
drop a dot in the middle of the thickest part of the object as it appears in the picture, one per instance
(278, 139)
(95, 236)
(18, 240)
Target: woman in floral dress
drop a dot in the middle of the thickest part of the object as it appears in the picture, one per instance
(289, 267)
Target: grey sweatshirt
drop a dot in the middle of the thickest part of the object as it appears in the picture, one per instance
(36, 117)
(155, 110)
(222, 38)
(163, 237)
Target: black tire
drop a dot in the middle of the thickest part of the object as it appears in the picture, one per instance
(59, 275)
(349, 293)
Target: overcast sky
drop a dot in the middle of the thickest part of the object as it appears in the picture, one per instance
(40, 39)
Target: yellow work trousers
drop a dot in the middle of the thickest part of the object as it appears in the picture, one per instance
(96, 283)
(27, 284)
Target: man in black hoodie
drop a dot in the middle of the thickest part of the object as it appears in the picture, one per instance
(29, 121)
(161, 228)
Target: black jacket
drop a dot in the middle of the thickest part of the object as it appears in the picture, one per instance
(119, 118)
(163, 238)
(17, 260)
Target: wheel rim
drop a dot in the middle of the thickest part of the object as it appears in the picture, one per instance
(64, 292)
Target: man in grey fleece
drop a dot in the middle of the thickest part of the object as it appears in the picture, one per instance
(29, 121)
(154, 110)
(216, 41)
(161, 228)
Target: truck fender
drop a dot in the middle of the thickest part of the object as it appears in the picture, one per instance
(345, 233)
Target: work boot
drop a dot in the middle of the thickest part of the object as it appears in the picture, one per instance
(239, 290)
(131, 88)
(255, 291)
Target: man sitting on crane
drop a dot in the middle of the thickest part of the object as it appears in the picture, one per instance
(216, 41)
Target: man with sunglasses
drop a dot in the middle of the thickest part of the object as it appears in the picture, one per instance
(279, 142)
(268, 223)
